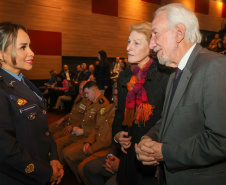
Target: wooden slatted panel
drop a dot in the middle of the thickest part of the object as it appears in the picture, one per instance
(42, 65)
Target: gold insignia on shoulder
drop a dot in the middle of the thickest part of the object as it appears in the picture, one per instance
(103, 111)
(21, 102)
(101, 100)
(30, 168)
(11, 83)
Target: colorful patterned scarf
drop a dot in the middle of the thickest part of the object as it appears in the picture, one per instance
(137, 96)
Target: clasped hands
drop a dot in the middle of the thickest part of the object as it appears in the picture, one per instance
(58, 172)
(149, 152)
(112, 164)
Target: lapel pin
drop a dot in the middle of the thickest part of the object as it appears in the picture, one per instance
(21, 102)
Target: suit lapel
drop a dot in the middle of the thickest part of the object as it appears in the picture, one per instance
(183, 83)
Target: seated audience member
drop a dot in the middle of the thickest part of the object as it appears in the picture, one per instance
(91, 70)
(69, 75)
(83, 75)
(101, 147)
(115, 67)
(57, 90)
(74, 148)
(50, 82)
(65, 125)
(213, 43)
(67, 97)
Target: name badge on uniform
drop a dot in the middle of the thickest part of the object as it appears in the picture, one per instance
(83, 107)
(28, 108)
(93, 111)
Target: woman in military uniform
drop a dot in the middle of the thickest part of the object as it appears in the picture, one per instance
(28, 154)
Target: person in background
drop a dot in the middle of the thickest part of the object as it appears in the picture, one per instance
(213, 46)
(50, 82)
(84, 74)
(56, 90)
(91, 70)
(66, 73)
(188, 142)
(102, 72)
(115, 67)
(64, 126)
(28, 153)
(67, 97)
(141, 91)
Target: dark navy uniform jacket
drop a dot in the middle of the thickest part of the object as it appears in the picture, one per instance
(26, 147)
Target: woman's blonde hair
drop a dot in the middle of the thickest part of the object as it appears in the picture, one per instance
(144, 27)
(8, 36)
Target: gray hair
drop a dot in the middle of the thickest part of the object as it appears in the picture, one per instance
(177, 13)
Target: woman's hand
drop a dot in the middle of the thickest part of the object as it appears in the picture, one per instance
(58, 172)
(123, 139)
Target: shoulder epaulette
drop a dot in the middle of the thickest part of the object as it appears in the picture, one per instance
(101, 101)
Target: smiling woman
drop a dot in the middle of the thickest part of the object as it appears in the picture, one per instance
(28, 154)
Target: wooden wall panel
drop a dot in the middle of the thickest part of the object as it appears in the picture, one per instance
(12, 11)
(137, 10)
(43, 18)
(42, 65)
(49, 3)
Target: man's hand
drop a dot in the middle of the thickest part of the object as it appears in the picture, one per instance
(58, 172)
(87, 149)
(67, 130)
(112, 164)
(78, 131)
(124, 140)
(149, 152)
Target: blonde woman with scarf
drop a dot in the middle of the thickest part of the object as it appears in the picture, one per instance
(141, 90)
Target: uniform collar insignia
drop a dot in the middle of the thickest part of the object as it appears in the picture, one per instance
(11, 83)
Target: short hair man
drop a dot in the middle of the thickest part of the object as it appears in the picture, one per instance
(66, 73)
(190, 136)
(72, 149)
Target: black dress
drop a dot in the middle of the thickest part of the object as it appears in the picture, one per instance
(131, 171)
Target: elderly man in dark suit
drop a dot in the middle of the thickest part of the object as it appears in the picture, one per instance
(190, 138)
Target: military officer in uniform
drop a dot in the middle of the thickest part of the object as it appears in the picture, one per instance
(28, 153)
(101, 146)
(65, 125)
(71, 148)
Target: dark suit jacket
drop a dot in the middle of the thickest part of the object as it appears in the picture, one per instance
(194, 132)
(26, 148)
(71, 74)
(84, 75)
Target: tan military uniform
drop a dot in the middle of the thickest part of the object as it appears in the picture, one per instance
(103, 139)
(74, 118)
(72, 145)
